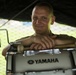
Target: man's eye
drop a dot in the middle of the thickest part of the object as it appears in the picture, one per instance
(44, 18)
(35, 18)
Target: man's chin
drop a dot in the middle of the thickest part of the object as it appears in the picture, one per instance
(39, 32)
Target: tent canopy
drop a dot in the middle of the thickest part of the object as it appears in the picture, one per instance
(64, 10)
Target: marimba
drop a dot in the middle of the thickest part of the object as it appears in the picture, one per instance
(58, 61)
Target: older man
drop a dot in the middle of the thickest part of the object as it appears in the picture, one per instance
(42, 18)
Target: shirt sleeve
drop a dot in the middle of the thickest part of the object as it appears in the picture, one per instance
(66, 37)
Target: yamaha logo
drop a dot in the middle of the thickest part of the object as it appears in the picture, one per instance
(40, 61)
(30, 61)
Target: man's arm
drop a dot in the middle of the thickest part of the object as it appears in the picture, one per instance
(65, 40)
(5, 50)
(27, 42)
(24, 41)
(45, 42)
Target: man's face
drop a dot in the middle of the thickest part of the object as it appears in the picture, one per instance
(41, 20)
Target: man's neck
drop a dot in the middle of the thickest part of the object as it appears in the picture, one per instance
(44, 34)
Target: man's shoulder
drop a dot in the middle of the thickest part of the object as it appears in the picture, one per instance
(25, 37)
(64, 36)
(22, 38)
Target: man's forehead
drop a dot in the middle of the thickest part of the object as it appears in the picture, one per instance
(41, 8)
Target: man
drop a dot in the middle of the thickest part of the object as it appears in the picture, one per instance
(42, 17)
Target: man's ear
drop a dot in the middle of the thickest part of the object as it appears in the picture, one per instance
(53, 20)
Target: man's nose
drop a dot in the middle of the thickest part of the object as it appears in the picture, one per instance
(38, 21)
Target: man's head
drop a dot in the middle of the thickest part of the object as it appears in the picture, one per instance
(42, 18)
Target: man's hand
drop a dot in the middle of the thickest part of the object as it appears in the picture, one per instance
(44, 42)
